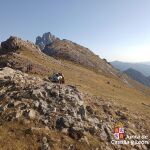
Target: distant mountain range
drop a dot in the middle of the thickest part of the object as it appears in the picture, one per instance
(146, 63)
(138, 76)
(144, 68)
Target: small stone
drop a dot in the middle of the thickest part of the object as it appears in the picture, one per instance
(43, 106)
(122, 115)
(82, 112)
(36, 104)
(64, 130)
(44, 140)
(36, 94)
(72, 147)
(75, 133)
(18, 114)
(92, 130)
(54, 92)
(46, 121)
(85, 139)
(28, 131)
(10, 105)
(46, 128)
(103, 136)
(45, 144)
(32, 114)
(62, 123)
(80, 103)
(1, 109)
(63, 101)
(26, 122)
(89, 109)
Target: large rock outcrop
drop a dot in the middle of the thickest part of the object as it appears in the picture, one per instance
(22, 55)
(63, 107)
(14, 43)
(46, 39)
(56, 106)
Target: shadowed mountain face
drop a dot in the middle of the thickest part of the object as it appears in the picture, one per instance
(136, 75)
(144, 68)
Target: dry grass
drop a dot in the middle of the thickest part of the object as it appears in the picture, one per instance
(96, 83)
(87, 81)
(14, 136)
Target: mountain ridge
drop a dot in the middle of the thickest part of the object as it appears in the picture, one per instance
(138, 76)
(68, 50)
(45, 39)
(122, 66)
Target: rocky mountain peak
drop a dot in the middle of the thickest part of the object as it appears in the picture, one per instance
(11, 44)
(14, 43)
(45, 39)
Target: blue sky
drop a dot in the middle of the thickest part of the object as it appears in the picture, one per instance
(113, 29)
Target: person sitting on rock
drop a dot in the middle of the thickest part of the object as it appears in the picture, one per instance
(61, 78)
(58, 78)
(29, 67)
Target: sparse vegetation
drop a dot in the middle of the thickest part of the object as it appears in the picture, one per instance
(99, 89)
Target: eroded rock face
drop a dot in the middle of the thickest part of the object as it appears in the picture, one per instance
(46, 39)
(14, 43)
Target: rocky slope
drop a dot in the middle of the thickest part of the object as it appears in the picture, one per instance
(38, 114)
(71, 51)
(63, 108)
(14, 50)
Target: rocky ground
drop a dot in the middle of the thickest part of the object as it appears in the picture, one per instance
(65, 109)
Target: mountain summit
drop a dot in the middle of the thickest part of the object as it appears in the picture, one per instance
(14, 43)
(45, 39)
